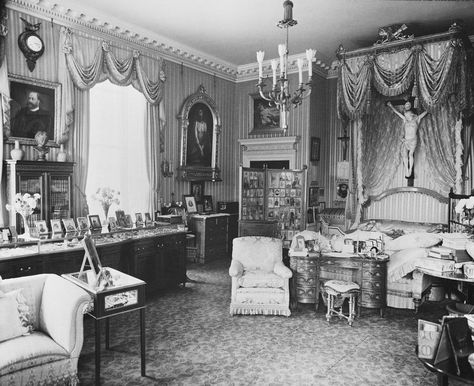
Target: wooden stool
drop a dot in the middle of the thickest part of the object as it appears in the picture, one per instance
(337, 291)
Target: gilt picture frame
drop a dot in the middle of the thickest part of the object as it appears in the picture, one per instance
(264, 118)
(200, 127)
(190, 202)
(23, 125)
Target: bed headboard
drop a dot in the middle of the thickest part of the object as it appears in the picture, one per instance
(414, 204)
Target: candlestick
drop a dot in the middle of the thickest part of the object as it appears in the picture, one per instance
(274, 64)
(260, 56)
(299, 62)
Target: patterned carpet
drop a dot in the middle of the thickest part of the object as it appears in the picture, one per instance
(193, 340)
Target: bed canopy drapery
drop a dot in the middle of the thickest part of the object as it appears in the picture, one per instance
(435, 73)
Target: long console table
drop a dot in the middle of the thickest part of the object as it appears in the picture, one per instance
(154, 255)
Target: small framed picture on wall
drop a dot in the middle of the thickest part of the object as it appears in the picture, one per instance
(315, 148)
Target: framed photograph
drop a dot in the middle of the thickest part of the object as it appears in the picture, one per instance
(148, 220)
(197, 190)
(82, 224)
(200, 126)
(69, 225)
(128, 221)
(315, 148)
(300, 244)
(322, 206)
(6, 234)
(207, 203)
(112, 224)
(313, 196)
(91, 255)
(94, 221)
(190, 204)
(264, 117)
(41, 226)
(56, 226)
(120, 214)
(139, 220)
(34, 106)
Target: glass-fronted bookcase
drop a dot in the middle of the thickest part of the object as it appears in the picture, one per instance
(272, 202)
(52, 180)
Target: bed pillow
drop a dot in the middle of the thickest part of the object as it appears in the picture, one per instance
(413, 240)
(403, 262)
(396, 228)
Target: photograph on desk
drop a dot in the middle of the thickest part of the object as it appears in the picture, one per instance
(69, 225)
(41, 227)
(112, 224)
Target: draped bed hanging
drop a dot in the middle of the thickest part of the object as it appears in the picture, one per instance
(435, 73)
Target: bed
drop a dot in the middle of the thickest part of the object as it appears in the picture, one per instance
(410, 221)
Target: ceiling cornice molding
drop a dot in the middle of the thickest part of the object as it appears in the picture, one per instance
(146, 40)
(248, 72)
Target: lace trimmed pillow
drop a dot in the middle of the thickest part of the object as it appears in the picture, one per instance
(413, 240)
(13, 315)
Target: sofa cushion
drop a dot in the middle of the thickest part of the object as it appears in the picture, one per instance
(260, 279)
(14, 321)
(10, 324)
(28, 351)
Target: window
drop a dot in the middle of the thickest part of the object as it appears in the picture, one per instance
(117, 148)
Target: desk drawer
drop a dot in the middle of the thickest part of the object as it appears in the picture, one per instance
(374, 285)
(305, 280)
(372, 299)
(342, 263)
(373, 274)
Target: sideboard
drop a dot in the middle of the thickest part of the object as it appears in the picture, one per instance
(156, 256)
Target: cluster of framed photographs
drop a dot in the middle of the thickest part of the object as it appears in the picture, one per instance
(274, 194)
(91, 223)
(197, 201)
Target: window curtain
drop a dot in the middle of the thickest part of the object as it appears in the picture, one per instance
(85, 61)
(440, 85)
(4, 101)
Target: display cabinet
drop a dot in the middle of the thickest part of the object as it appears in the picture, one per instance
(52, 180)
(272, 196)
(155, 255)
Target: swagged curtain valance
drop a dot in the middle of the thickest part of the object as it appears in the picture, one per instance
(437, 75)
(88, 61)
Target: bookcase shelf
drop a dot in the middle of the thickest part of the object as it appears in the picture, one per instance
(52, 180)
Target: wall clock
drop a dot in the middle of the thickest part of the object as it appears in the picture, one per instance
(31, 44)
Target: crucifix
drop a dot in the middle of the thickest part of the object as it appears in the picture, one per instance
(345, 140)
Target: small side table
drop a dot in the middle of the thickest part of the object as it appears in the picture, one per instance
(126, 295)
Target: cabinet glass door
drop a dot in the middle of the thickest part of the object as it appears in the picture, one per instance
(253, 187)
(59, 197)
(31, 183)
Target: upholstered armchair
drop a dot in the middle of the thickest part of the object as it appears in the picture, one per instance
(50, 352)
(260, 280)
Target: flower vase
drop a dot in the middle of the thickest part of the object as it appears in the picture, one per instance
(26, 235)
(62, 155)
(16, 153)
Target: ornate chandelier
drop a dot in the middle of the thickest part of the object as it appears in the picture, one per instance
(280, 95)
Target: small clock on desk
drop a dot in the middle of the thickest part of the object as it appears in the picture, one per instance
(31, 44)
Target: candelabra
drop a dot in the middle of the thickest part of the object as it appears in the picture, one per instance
(280, 95)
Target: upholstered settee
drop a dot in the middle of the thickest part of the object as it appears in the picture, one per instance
(260, 280)
(48, 350)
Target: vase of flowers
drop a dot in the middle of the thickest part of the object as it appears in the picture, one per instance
(106, 197)
(24, 205)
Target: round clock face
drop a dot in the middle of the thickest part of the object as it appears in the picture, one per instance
(34, 43)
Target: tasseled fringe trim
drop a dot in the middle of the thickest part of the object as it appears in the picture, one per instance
(259, 311)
